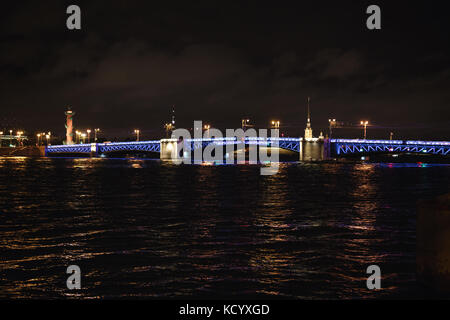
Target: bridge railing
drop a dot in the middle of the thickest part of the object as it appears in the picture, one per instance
(341, 146)
(366, 141)
(349, 146)
(73, 148)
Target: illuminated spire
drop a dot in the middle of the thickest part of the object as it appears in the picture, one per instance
(308, 123)
(173, 116)
(308, 129)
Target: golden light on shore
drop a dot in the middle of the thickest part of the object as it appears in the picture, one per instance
(276, 124)
(137, 131)
(365, 123)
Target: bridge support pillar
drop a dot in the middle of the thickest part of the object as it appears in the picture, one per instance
(314, 150)
(169, 149)
(94, 150)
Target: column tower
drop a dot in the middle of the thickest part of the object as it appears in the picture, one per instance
(69, 126)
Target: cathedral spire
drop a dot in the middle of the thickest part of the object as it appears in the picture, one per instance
(308, 124)
(308, 129)
(173, 116)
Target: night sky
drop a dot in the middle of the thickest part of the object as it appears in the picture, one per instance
(220, 61)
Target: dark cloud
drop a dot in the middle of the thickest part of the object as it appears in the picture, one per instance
(220, 62)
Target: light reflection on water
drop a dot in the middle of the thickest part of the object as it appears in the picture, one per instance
(210, 231)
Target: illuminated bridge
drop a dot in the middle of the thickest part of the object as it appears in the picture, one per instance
(292, 144)
(312, 149)
(356, 146)
(99, 148)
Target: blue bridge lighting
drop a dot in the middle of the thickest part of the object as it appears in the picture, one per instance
(349, 146)
(339, 146)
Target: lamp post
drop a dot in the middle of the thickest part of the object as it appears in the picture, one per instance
(83, 136)
(365, 123)
(10, 137)
(95, 134)
(1, 140)
(245, 123)
(275, 124)
(391, 135)
(207, 127)
(332, 123)
(38, 139)
(19, 135)
(47, 136)
(89, 135)
(137, 131)
(168, 127)
(78, 133)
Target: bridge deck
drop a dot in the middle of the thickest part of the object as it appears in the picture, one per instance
(349, 146)
(340, 146)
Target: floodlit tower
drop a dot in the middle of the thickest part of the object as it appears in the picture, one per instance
(69, 126)
(308, 129)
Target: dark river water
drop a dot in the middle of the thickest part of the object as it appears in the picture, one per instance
(148, 229)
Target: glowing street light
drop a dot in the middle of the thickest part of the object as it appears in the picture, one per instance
(168, 127)
(48, 136)
(245, 123)
(95, 134)
(332, 123)
(207, 127)
(78, 133)
(365, 123)
(83, 136)
(89, 135)
(38, 139)
(275, 124)
(137, 131)
(19, 134)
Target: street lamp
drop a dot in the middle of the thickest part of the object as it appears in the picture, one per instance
(89, 135)
(168, 127)
(38, 139)
(95, 133)
(19, 140)
(245, 123)
(83, 136)
(391, 135)
(332, 123)
(137, 131)
(207, 127)
(47, 136)
(1, 134)
(275, 124)
(365, 123)
(10, 138)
